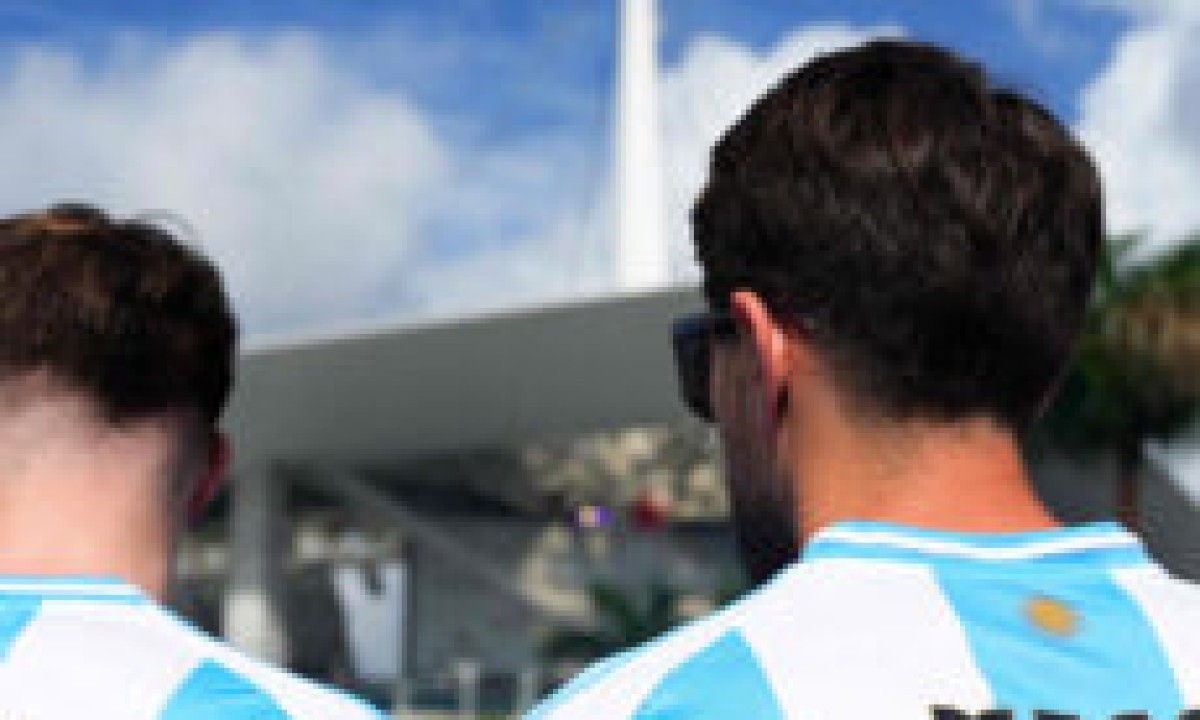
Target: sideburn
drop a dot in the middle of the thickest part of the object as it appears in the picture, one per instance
(765, 518)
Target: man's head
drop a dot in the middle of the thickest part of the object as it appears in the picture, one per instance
(115, 329)
(889, 228)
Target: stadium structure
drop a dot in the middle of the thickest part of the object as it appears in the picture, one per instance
(416, 509)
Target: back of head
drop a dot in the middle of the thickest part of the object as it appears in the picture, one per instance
(939, 232)
(117, 311)
(122, 332)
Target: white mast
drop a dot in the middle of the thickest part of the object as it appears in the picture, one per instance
(641, 239)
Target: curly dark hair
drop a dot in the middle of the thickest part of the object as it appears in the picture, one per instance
(940, 232)
(119, 309)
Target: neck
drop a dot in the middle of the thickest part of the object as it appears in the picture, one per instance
(90, 508)
(64, 534)
(966, 476)
(80, 495)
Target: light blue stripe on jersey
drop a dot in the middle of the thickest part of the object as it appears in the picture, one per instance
(1112, 663)
(213, 692)
(722, 681)
(15, 616)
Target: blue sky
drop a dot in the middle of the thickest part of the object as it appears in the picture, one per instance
(1052, 53)
(370, 160)
(492, 61)
(350, 162)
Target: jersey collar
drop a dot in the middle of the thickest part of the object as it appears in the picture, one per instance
(71, 587)
(1100, 543)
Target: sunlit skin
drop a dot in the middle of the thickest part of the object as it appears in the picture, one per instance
(82, 496)
(792, 439)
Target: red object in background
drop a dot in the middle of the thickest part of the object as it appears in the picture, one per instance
(650, 511)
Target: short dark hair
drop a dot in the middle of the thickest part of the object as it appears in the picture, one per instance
(939, 231)
(118, 309)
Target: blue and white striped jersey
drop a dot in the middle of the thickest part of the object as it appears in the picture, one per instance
(883, 621)
(98, 649)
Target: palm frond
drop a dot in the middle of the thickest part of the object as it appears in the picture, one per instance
(1137, 370)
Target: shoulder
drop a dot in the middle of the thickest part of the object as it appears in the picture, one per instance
(231, 691)
(688, 669)
(116, 659)
(80, 658)
(755, 653)
(229, 684)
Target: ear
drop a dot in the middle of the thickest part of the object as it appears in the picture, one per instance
(212, 479)
(771, 348)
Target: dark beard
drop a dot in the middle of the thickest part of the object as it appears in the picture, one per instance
(765, 524)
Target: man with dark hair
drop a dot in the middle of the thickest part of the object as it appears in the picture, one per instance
(117, 346)
(897, 256)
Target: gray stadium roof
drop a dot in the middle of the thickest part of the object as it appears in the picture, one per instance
(460, 384)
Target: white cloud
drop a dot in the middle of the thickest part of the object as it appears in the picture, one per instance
(1149, 9)
(325, 200)
(1031, 21)
(1141, 118)
(328, 200)
(562, 250)
(307, 186)
(711, 86)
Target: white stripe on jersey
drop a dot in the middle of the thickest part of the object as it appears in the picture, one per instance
(862, 639)
(93, 660)
(1173, 608)
(878, 620)
(898, 617)
(118, 656)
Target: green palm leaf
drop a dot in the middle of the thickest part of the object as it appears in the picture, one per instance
(1136, 376)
